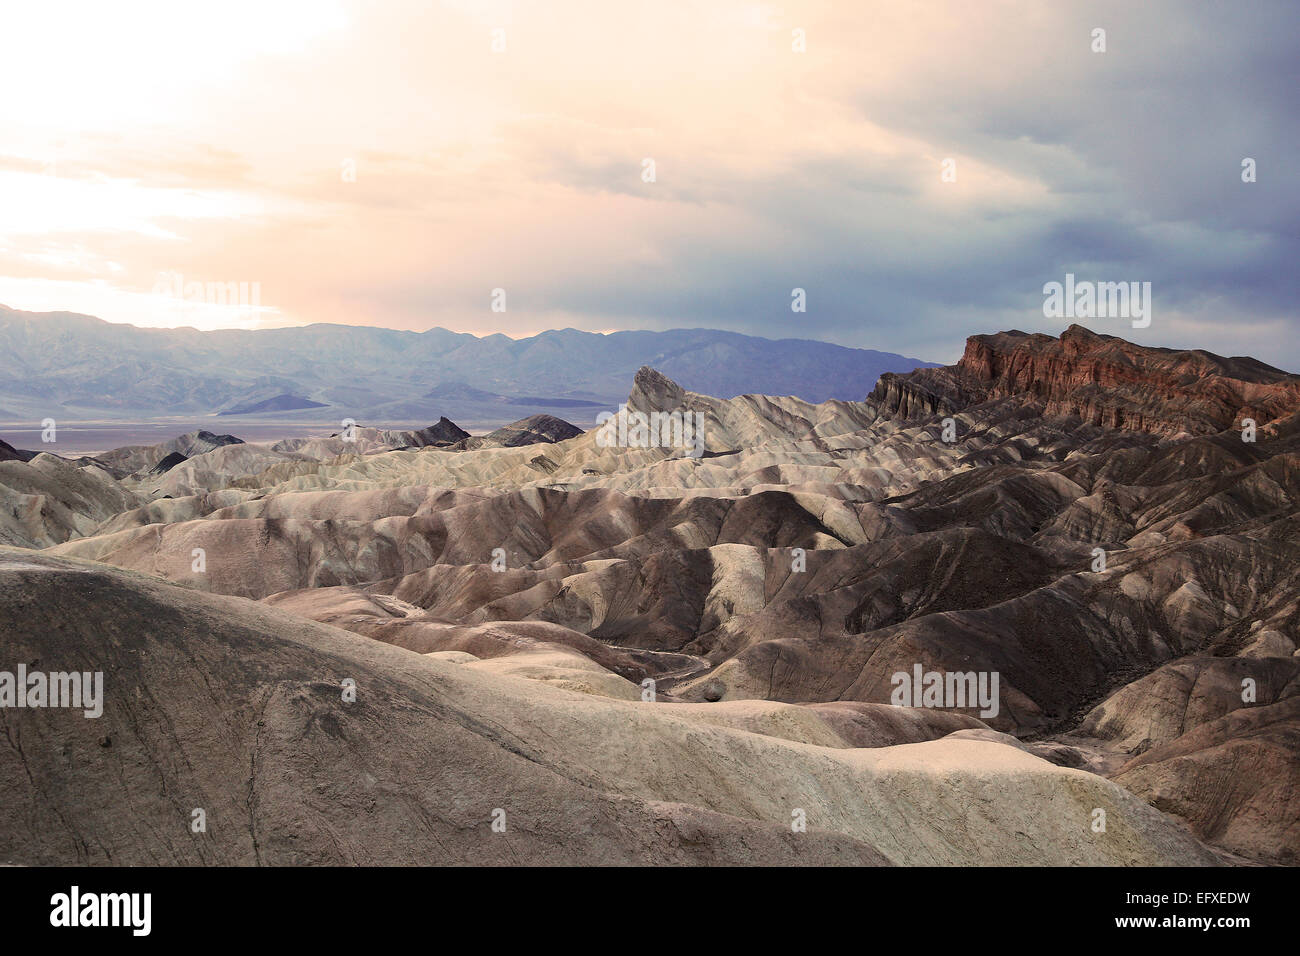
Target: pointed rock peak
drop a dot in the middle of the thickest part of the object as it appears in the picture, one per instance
(444, 430)
(535, 429)
(212, 438)
(9, 453)
(168, 463)
(653, 391)
(1082, 338)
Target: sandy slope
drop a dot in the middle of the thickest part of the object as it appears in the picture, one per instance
(228, 705)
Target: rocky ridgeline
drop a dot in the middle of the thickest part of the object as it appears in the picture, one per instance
(1101, 379)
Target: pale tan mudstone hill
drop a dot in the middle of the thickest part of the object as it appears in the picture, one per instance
(224, 705)
(48, 500)
(138, 460)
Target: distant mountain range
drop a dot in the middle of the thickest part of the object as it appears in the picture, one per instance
(76, 367)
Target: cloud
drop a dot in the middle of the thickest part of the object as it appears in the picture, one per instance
(522, 170)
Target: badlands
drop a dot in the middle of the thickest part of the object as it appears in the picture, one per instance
(528, 647)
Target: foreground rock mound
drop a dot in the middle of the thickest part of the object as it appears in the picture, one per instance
(221, 704)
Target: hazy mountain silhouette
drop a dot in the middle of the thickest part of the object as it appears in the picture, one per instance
(77, 366)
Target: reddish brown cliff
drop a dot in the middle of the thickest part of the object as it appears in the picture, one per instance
(1102, 379)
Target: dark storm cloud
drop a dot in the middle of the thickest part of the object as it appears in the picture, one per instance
(1139, 151)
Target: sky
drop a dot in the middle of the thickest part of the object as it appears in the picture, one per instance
(395, 163)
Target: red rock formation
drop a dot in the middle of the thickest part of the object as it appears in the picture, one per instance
(1101, 379)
